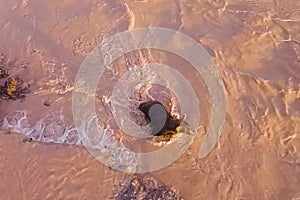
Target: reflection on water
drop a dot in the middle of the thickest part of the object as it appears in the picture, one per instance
(256, 47)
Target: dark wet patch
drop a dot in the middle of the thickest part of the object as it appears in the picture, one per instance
(147, 188)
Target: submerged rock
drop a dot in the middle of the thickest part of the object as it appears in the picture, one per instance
(146, 188)
(12, 88)
(3, 73)
(160, 120)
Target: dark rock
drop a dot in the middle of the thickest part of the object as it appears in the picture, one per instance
(160, 120)
(146, 188)
(3, 73)
(13, 88)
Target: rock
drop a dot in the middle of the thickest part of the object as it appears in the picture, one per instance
(158, 117)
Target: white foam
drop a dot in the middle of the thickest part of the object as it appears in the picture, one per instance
(53, 128)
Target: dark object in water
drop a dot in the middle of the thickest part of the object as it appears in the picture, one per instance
(146, 188)
(14, 88)
(4, 73)
(160, 120)
(27, 140)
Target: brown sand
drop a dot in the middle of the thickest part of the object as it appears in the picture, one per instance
(256, 47)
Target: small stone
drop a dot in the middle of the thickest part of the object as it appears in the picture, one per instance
(27, 140)
(47, 103)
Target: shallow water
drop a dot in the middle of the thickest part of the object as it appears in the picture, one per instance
(255, 46)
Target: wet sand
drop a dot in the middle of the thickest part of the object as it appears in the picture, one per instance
(256, 47)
